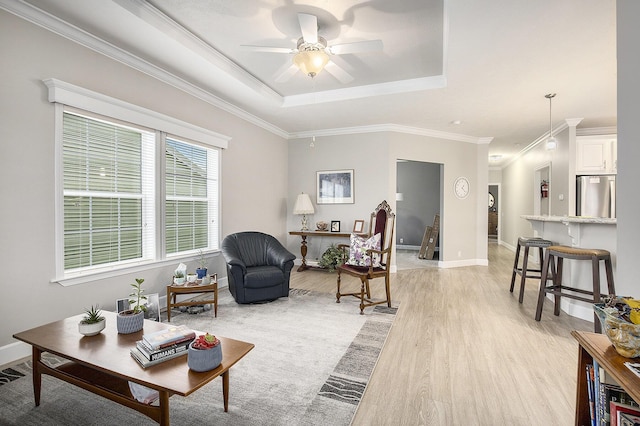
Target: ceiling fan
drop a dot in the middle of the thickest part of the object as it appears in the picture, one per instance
(312, 54)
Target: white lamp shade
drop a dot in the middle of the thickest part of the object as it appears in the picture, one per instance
(303, 205)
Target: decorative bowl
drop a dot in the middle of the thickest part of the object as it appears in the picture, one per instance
(322, 226)
(624, 335)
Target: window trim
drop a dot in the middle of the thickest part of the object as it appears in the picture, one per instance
(64, 94)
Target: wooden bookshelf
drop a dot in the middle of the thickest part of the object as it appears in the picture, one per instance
(597, 347)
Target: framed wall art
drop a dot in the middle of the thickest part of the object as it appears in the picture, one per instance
(334, 187)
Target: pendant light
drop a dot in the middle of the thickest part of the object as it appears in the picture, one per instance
(552, 143)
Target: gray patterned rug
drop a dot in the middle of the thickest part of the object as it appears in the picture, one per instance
(311, 364)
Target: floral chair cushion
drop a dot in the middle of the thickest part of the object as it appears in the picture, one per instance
(358, 251)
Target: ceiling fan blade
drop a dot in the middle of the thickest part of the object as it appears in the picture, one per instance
(336, 71)
(269, 49)
(309, 27)
(283, 75)
(356, 47)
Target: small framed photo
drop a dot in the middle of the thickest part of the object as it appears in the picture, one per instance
(334, 187)
(122, 305)
(358, 226)
(335, 226)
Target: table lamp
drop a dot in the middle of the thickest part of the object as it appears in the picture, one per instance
(304, 207)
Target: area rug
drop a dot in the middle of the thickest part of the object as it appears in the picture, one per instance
(311, 364)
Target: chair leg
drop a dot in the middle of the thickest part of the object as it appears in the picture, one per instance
(365, 283)
(523, 279)
(515, 268)
(609, 270)
(388, 288)
(338, 289)
(557, 284)
(368, 290)
(543, 284)
(595, 267)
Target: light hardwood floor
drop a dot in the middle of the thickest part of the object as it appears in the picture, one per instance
(463, 351)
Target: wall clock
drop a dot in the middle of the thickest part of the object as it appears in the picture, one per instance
(492, 200)
(461, 187)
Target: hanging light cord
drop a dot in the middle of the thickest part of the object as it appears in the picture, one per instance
(550, 96)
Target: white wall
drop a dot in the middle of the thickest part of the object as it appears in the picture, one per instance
(373, 156)
(628, 15)
(254, 172)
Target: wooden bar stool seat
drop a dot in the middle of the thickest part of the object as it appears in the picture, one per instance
(556, 255)
(526, 272)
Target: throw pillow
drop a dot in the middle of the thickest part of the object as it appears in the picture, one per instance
(358, 251)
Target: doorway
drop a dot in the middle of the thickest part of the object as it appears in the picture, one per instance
(493, 226)
(418, 201)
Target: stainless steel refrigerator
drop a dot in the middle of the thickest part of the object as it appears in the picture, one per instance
(596, 196)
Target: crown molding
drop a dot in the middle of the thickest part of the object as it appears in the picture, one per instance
(163, 23)
(593, 131)
(359, 92)
(389, 127)
(77, 35)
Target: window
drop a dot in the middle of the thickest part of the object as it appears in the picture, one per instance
(118, 208)
(192, 195)
(108, 191)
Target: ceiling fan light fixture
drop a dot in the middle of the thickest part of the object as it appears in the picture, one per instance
(311, 62)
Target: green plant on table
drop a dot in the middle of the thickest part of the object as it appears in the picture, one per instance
(331, 258)
(202, 260)
(92, 315)
(137, 296)
(179, 274)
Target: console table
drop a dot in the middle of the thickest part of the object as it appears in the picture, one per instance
(598, 347)
(303, 245)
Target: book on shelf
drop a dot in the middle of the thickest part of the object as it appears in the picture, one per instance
(168, 337)
(607, 391)
(144, 362)
(591, 386)
(154, 354)
(618, 408)
(627, 419)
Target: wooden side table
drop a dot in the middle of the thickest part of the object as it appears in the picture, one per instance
(303, 245)
(174, 290)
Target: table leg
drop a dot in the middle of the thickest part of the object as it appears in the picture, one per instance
(168, 303)
(303, 252)
(37, 374)
(164, 408)
(215, 301)
(225, 390)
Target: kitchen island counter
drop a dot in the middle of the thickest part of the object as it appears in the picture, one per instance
(571, 219)
(584, 232)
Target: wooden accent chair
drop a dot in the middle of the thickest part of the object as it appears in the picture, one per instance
(382, 222)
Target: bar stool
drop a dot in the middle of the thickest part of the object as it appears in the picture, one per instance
(525, 271)
(559, 290)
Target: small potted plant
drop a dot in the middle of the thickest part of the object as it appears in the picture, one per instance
(205, 353)
(331, 258)
(132, 320)
(202, 270)
(93, 322)
(178, 277)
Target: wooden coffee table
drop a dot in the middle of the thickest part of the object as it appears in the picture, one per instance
(102, 364)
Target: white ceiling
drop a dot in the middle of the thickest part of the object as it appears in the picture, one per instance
(485, 63)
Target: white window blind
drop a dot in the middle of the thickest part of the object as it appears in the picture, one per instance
(108, 193)
(191, 209)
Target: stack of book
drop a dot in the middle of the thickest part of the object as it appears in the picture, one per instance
(163, 345)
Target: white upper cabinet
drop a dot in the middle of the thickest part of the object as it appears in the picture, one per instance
(596, 154)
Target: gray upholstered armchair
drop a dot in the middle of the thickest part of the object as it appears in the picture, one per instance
(258, 267)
